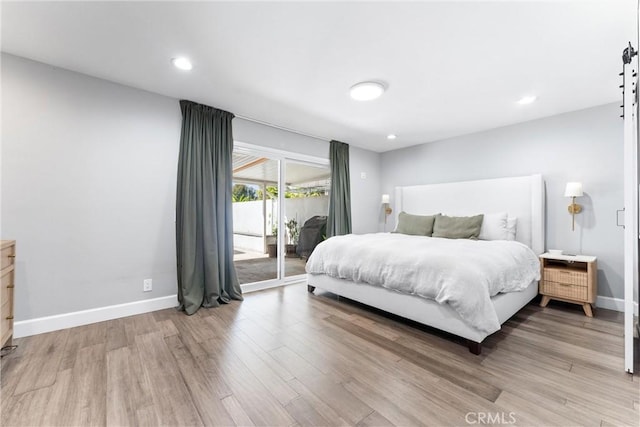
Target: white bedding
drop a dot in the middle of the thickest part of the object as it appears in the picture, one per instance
(459, 272)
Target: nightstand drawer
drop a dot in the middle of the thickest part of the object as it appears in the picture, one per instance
(564, 290)
(566, 276)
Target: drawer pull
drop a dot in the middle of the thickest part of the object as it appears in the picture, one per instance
(10, 286)
(11, 256)
(9, 317)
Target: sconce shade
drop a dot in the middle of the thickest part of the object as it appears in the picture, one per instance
(574, 189)
(385, 198)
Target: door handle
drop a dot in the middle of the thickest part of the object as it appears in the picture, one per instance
(618, 217)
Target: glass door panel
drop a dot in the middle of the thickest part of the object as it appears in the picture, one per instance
(255, 217)
(306, 200)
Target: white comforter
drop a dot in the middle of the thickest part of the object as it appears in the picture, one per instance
(459, 272)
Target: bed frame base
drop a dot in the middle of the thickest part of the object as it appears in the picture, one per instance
(423, 310)
(474, 347)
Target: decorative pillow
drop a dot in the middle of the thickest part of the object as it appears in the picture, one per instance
(512, 224)
(457, 227)
(494, 227)
(415, 225)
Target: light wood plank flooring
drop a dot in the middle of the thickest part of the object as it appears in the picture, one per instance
(285, 357)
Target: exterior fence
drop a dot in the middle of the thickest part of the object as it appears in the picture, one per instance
(249, 223)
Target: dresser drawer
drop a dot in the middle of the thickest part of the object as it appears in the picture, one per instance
(6, 325)
(6, 282)
(7, 256)
(564, 290)
(578, 278)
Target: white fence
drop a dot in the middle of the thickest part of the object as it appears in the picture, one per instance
(249, 221)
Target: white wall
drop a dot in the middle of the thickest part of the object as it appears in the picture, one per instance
(88, 186)
(88, 189)
(366, 208)
(581, 146)
(265, 136)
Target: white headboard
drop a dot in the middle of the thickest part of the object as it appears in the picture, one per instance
(521, 197)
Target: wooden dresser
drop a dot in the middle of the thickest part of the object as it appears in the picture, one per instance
(7, 273)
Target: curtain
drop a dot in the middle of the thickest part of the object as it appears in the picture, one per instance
(204, 216)
(339, 221)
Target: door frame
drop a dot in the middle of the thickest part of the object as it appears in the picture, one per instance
(282, 157)
(630, 208)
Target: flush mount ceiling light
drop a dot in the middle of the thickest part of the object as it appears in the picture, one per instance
(182, 63)
(366, 91)
(391, 136)
(527, 99)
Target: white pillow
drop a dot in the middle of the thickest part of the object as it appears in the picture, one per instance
(511, 228)
(494, 227)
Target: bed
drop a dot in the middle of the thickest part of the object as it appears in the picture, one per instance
(521, 197)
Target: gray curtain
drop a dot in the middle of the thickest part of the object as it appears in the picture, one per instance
(339, 221)
(204, 216)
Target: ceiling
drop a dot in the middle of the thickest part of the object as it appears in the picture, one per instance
(255, 169)
(451, 67)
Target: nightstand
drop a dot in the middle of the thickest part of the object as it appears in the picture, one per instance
(569, 278)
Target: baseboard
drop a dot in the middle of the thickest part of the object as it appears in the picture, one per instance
(42, 325)
(616, 304)
(260, 286)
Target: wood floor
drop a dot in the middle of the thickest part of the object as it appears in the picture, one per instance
(258, 269)
(285, 357)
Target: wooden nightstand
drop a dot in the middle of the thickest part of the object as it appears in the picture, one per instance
(569, 278)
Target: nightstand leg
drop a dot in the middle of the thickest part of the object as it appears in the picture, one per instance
(587, 309)
(545, 301)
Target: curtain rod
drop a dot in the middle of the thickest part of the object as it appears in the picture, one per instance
(261, 122)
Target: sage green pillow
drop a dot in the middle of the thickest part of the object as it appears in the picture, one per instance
(457, 227)
(415, 225)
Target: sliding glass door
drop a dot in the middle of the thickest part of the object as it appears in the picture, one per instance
(274, 196)
(306, 202)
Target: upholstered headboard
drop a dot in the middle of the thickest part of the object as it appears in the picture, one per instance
(521, 197)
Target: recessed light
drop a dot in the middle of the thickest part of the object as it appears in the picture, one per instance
(527, 99)
(182, 63)
(366, 91)
(391, 136)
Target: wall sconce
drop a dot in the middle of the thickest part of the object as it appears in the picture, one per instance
(573, 190)
(387, 208)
